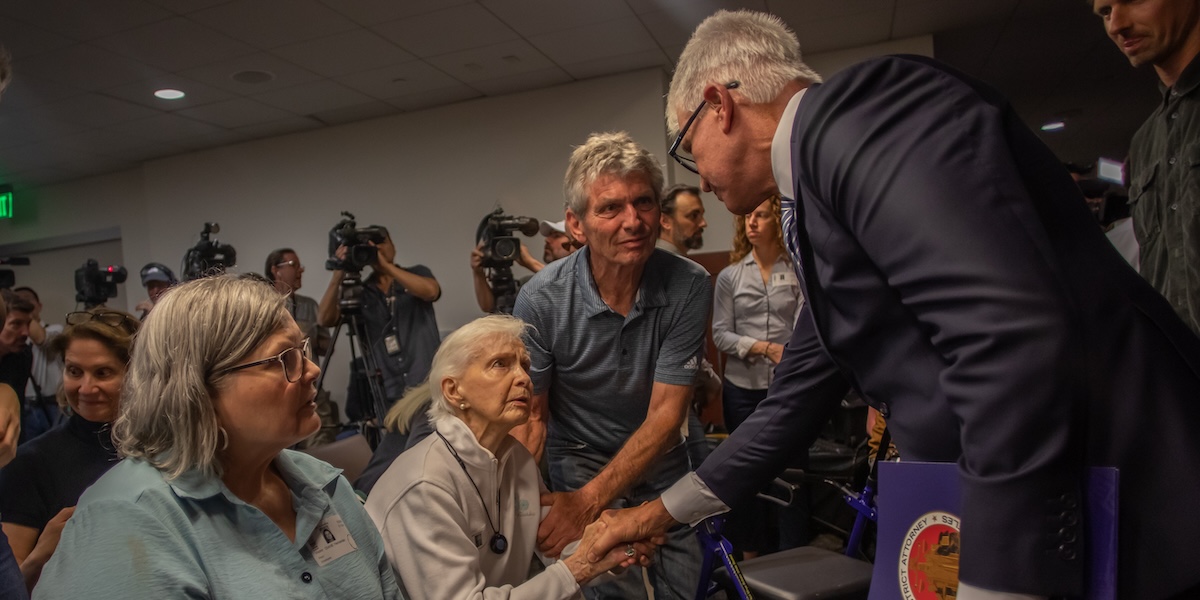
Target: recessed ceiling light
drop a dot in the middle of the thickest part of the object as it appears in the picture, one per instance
(1054, 126)
(169, 94)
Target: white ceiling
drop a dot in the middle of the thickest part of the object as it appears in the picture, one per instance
(81, 101)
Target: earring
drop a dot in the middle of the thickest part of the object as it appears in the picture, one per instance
(462, 406)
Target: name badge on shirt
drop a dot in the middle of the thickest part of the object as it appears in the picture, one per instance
(785, 278)
(392, 344)
(330, 540)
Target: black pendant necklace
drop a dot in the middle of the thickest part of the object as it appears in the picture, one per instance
(498, 544)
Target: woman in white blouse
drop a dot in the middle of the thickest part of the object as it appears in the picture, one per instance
(755, 305)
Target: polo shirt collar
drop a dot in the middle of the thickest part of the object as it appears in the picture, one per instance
(651, 290)
(195, 485)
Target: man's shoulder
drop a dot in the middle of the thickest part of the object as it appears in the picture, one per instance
(557, 275)
(674, 269)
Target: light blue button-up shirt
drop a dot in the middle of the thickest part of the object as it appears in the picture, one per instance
(137, 535)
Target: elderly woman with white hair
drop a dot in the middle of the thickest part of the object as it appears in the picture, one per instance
(459, 512)
(208, 503)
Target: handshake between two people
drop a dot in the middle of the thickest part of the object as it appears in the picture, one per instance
(616, 540)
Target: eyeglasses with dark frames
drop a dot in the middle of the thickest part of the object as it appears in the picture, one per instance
(110, 318)
(292, 360)
(686, 160)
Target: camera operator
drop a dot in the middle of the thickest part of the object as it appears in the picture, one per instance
(558, 245)
(156, 278)
(397, 310)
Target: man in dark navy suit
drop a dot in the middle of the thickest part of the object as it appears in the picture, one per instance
(955, 278)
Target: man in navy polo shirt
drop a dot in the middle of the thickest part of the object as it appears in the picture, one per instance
(618, 334)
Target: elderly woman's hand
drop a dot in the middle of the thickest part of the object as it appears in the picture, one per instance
(613, 559)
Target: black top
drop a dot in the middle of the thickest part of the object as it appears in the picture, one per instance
(51, 472)
(14, 370)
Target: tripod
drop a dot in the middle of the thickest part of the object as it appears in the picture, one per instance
(504, 289)
(350, 307)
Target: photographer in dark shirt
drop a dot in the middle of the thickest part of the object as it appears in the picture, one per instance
(398, 320)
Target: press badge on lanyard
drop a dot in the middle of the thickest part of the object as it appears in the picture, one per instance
(331, 540)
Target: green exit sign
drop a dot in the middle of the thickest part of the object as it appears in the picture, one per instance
(6, 202)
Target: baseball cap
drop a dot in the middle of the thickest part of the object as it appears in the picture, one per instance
(157, 272)
(549, 227)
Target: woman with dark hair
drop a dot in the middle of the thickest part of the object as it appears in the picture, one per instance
(51, 472)
(209, 502)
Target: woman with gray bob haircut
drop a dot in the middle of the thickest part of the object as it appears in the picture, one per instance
(472, 487)
(208, 501)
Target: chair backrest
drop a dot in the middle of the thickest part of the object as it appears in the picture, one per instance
(350, 454)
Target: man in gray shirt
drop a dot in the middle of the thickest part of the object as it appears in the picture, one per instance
(618, 333)
(1163, 154)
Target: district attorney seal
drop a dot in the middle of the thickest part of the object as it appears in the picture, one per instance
(928, 566)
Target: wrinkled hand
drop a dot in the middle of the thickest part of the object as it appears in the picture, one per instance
(615, 558)
(570, 513)
(617, 527)
(10, 424)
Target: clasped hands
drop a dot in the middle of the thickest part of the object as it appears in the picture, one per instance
(616, 540)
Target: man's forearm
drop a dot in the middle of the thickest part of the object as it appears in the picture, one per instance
(483, 292)
(327, 310)
(658, 433)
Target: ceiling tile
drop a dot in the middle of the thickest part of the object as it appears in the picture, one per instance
(38, 177)
(449, 30)
(84, 20)
(522, 82)
(690, 8)
(94, 110)
(167, 129)
(314, 97)
(374, 12)
(175, 44)
(398, 80)
(797, 14)
(88, 67)
(28, 90)
(595, 41)
(532, 17)
(184, 7)
(104, 142)
(844, 32)
(282, 127)
(23, 127)
(618, 64)
(344, 53)
(438, 97)
(271, 23)
(142, 92)
(491, 62)
(237, 112)
(917, 17)
(357, 112)
(220, 74)
(22, 39)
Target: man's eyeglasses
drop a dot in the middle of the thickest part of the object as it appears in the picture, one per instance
(292, 360)
(686, 159)
(112, 319)
(289, 263)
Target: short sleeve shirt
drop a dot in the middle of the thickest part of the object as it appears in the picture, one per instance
(598, 366)
(414, 324)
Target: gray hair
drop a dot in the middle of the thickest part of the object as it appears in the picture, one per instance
(465, 344)
(197, 329)
(613, 153)
(755, 49)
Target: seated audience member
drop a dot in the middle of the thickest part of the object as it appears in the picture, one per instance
(404, 426)
(51, 472)
(156, 278)
(208, 503)
(459, 511)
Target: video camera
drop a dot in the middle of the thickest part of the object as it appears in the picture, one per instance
(94, 284)
(500, 246)
(208, 256)
(7, 277)
(358, 242)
